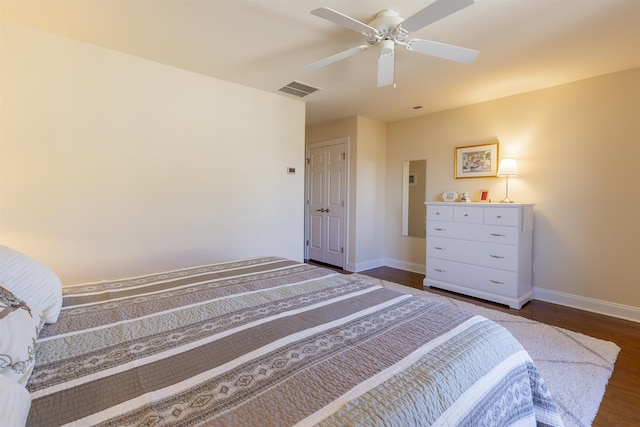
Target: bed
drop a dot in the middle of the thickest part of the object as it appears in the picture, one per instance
(269, 341)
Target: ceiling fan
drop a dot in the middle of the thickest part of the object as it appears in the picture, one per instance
(388, 29)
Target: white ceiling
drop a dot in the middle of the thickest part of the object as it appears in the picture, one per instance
(524, 45)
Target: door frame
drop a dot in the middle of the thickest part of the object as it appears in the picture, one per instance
(345, 232)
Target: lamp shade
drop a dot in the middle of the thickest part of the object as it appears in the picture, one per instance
(508, 167)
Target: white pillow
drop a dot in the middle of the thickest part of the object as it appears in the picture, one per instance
(31, 281)
(15, 402)
(19, 329)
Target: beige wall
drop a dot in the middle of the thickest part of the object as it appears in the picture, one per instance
(577, 147)
(370, 197)
(112, 165)
(367, 176)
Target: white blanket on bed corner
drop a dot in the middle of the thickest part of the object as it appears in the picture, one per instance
(15, 402)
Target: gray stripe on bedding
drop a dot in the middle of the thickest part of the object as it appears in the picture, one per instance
(303, 368)
(136, 281)
(143, 304)
(123, 343)
(433, 383)
(104, 393)
(333, 372)
(523, 386)
(72, 297)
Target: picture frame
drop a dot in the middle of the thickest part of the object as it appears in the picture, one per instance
(449, 196)
(476, 161)
(484, 196)
(413, 176)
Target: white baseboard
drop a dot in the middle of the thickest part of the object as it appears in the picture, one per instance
(407, 266)
(620, 311)
(367, 265)
(606, 308)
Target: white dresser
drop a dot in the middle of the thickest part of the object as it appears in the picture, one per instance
(481, 249)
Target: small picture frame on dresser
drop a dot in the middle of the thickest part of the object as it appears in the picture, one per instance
(449, 196)
(484, 196)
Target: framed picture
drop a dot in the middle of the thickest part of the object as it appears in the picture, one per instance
(484, 195)
(412, 179)
(476, 161)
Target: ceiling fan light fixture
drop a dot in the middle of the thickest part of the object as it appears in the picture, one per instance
(387, 47)
(386, 63)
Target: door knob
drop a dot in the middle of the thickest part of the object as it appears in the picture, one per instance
(322, 210)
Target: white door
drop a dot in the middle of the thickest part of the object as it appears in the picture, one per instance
(326, 200)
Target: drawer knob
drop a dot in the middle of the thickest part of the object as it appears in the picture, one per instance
(466, 214)
(498, 216)
(496, 256)
(437, 213)
(440, 229)
(439, 270)
(497, 282)
(440, 248)
(496, 234)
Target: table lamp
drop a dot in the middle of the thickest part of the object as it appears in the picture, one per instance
(507, 168)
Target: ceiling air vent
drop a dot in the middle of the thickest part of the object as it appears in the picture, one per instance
(298, 89)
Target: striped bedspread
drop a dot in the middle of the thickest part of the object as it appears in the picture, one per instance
(272, 342)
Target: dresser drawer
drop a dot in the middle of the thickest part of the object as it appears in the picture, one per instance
(502, 216)
(484, 279)
(439, 213)
(442, 229)
(504, 257)
(478, 233)
(467, 215)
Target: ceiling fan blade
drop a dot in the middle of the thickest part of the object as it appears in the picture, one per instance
(442, 50)
(386, 63)
(432, 13)
(344, 20)
(337, 57)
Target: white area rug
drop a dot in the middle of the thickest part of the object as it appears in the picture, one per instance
(576, 367)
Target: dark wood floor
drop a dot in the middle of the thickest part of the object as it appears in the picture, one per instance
(621, 403)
